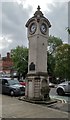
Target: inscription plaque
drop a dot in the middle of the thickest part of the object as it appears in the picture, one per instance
(32, 66)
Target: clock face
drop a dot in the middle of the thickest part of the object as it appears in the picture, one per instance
(43, 28)
(32, 28)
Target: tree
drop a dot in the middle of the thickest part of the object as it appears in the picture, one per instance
(20, 59)
(62, 62)
(50, 64)
(53, 43)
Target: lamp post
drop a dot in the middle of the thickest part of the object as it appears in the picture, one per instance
(25, 60)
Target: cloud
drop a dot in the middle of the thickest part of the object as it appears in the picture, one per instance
(14, 18)
(58, 17)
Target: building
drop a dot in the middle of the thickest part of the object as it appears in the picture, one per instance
(6, 64)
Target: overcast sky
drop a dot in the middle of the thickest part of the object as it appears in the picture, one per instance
(15, 13)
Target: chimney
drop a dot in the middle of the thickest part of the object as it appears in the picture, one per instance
(8, 55)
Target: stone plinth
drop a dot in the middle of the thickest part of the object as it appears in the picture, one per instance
(37, 87)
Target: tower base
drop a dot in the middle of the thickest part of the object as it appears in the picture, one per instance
(37, 87)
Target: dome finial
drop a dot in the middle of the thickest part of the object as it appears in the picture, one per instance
(38, 8)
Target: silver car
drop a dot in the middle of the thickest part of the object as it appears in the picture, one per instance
(63, 88)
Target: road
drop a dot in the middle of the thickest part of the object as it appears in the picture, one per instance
(53, 94)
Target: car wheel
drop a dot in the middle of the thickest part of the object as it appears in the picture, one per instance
(60, 91)
(12, 93)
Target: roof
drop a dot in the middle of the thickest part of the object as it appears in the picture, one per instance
(37, 16)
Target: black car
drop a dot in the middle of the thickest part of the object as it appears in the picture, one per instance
(12, 87)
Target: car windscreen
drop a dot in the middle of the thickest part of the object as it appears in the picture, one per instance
(13, 82)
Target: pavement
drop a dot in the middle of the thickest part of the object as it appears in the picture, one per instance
(14, 108)
(61, 106)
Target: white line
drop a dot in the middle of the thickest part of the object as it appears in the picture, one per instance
(62, 100)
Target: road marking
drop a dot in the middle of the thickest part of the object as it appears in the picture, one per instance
(62, 100)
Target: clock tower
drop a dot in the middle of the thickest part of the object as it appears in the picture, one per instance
(38, 33)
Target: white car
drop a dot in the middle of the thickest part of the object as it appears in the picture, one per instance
(63, 88)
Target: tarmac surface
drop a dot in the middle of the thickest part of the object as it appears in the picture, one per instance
(11, 107)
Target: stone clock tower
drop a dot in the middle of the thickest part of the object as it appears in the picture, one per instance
(38, 33)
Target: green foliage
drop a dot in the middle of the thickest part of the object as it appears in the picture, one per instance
(62, 62)
(58, 55)
(20, 59)
(50, 64)
(53, 43)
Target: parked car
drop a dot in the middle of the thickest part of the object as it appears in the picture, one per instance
(22, 82)
(63, 88)
(12, 87)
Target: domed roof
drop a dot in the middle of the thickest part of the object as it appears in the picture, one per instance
(37, 16)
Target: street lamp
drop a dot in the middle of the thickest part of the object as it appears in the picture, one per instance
(25, 60)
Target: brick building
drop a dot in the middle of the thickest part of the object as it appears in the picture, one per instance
(6, 63)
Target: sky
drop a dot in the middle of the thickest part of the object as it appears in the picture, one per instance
(15, 13)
